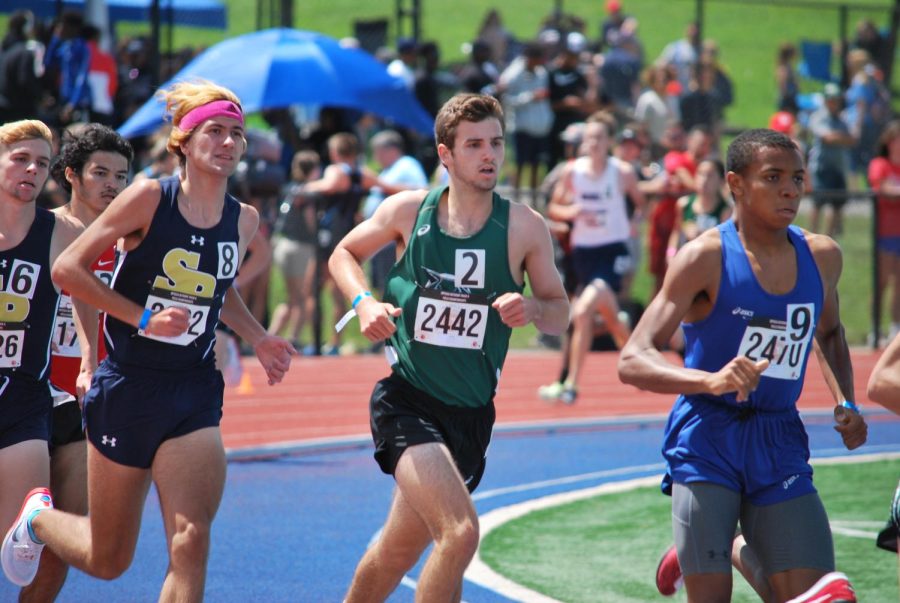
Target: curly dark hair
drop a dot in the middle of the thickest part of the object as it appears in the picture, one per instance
(742, 150)
(78, 145)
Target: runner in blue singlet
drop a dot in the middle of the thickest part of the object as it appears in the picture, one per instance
(752, 294)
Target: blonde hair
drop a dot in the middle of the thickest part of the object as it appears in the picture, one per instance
(183, 97)
(25, 129)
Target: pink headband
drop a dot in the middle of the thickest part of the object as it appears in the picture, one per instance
(219, 108)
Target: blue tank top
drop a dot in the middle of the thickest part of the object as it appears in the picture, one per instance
(28, 302)
(748, 321)
(176, 265)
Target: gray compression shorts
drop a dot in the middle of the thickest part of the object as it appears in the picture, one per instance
(787, 535)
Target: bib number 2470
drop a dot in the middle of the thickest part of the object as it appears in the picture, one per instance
(783, 342)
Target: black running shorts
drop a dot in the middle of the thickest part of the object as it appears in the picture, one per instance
(402, 416)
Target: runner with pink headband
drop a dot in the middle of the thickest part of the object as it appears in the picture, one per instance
(218, 108)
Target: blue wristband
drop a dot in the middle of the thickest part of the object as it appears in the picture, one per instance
(360, 297)
(851, 405)
(145, 318)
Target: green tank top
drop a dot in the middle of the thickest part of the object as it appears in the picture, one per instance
(704, 220)
(449, 342)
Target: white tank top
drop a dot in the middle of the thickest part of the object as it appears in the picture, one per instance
(606, 219)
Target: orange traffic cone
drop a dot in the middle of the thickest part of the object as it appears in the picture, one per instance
(246, 384)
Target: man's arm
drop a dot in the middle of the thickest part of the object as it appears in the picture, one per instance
(562, 208)
(391, 221)
(131, 212)
(693, 273)
(831, 339)
(548, 307)
(333, 180)
(884, 384)
(274, 353)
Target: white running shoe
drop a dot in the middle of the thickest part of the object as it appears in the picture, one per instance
(550, 392)
(21, 550)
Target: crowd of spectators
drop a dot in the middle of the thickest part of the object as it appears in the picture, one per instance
(310, 175)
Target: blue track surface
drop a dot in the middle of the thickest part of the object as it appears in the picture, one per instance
(293, 528)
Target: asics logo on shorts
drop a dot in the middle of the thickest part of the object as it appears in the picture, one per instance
(108, 441)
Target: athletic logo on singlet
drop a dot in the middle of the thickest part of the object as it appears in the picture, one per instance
(16, 292)
(783, 342)
(423, 230)
(183, 286)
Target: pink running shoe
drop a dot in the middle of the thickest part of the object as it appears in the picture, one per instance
(21, 550)
(833, 587)
(668, 573)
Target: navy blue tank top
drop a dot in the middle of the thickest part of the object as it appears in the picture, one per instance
(748, 321)
(176, 265)
(28, 302)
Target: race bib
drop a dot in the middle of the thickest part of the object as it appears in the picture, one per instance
(197, 307)
(16, 292)
(65, 338)
(783, 342)
(11, 343)
(449, 319)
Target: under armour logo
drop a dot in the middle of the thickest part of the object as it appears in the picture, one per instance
(196, 240)
(108, 441)
(2, 263)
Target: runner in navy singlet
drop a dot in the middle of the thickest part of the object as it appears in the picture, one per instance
(153, 410)
(752, 294)
(30, 240)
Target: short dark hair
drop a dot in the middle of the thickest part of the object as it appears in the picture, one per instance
(742, 150)
(77, 148)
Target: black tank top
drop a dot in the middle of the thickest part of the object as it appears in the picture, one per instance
(176, 265)
(28, 303)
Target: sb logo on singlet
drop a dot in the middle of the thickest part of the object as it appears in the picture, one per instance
(16, 292)
(184, 285)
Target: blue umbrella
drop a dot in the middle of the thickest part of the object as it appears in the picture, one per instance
(280, 67)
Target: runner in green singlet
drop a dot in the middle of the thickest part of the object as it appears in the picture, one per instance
(451, 301)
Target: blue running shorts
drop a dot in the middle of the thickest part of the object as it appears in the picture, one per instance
(130, 411)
